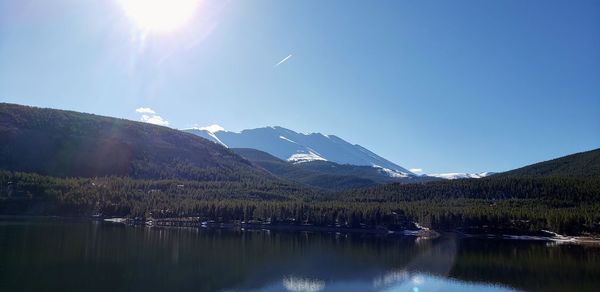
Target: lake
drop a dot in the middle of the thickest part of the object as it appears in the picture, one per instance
(53, 254)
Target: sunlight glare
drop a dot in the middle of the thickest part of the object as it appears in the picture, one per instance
(159, 15)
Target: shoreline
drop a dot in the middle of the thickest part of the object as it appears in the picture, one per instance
(561, 239)
(423, 233)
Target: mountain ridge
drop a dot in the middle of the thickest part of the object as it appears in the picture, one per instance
(55, 162)
(325, 174)
(585, 163)
(301, 174)
(461, 175)
(72, 144)
(289, 145)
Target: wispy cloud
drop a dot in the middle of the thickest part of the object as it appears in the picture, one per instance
(283, 61)
(150, 116)
(145, 110)
(416, 170)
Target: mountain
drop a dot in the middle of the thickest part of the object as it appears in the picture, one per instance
(560, 186)
(581, 164)
(568, 179)
(460, 175)
(71, 144)
(324, 174)
(55, 162)
(288, 145)
(299, 173)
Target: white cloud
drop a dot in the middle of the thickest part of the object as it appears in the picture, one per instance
(150, 116)
(416, 170)
(284, 59)
(145, 110)
(154, 119)
(213, 128)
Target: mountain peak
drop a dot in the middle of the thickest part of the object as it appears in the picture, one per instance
(290, 145)
(211, 129)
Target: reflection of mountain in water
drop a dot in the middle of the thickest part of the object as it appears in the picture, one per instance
(155, 259)
(354, 263)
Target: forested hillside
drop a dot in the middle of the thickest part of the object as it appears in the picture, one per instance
(301, 174)
(71, 144)
(568, 190)
(55, 162)
(582, 164)
(324, 174)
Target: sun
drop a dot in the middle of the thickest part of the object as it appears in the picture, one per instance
(159, 15)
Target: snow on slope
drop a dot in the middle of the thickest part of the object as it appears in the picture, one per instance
(206, 133)
(305, 157)
(292, 146)
(390, 173)
(458, 175)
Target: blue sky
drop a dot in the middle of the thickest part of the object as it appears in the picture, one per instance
(444, 86)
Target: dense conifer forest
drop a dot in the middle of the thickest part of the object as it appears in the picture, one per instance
(473, 205)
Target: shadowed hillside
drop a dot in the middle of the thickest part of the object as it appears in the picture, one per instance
(298, 173)
(66, 143)
(324, 174)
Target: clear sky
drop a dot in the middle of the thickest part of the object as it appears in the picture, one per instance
(444, 86)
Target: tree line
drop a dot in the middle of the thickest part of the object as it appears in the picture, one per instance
(504, 205)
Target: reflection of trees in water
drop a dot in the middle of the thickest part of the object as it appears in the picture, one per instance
(529, 265)
(207, 260)
(391, 261)
(437, 259)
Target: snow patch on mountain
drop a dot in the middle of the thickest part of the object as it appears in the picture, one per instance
(212, 128)
(212, 134)
(286, 139)
(286, 144)
(459, 175)
(305, 157)
(390, 173)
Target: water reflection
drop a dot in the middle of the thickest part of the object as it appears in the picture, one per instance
(296, 284)
(393, 282)
(59, 255)
(390, 278)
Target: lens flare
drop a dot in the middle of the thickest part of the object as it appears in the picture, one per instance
(160, 15)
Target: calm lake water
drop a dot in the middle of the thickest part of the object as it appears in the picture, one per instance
(75, 255)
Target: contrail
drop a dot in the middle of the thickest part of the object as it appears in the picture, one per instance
(284, 59)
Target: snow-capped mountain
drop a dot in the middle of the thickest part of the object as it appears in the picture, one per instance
(297, 147)
(457, 175)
